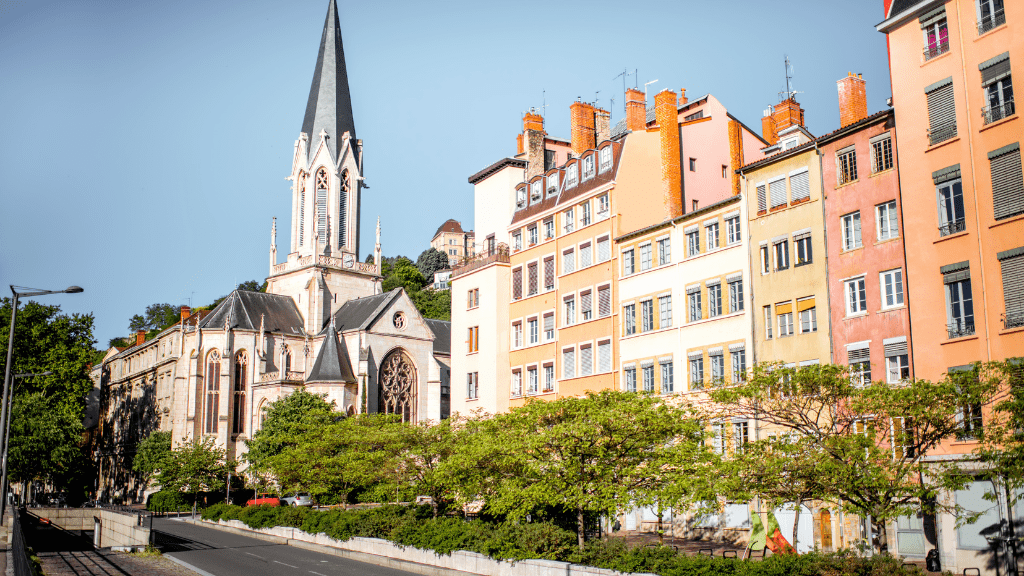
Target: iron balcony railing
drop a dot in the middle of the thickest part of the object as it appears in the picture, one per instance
(1013, 320)
(941, 133)
(952, 227)
(960, 328)
(995, 113)
(935, 50)
(996, 19)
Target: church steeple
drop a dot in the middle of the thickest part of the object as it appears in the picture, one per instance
(329, 107)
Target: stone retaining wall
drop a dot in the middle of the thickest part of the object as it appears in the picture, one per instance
(118, 530)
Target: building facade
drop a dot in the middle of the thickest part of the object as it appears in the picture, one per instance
(455, 242)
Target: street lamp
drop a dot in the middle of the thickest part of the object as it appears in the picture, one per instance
(17, 291)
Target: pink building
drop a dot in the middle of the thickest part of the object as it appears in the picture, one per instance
(864, 241)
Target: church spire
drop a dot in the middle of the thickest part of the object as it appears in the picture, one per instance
(329, 107)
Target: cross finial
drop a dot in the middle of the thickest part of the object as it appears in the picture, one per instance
(323, 133)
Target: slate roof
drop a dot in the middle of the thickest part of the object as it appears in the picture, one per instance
(359, 313)
(442, 330)
(332, 364)
(244, 309)
(330, 106)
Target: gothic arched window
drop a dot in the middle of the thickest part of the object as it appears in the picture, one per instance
(321, 205)
(212, 392)
(262, 412)
(397, 378)
(286, 361)
(343, 208)
(238, 410)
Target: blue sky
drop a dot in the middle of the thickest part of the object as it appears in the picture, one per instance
(144, 145)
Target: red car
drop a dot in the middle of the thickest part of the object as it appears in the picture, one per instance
(264, 499)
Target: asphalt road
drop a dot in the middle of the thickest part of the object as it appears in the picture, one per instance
(225, 554)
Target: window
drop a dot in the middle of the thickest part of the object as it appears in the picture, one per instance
(517, 335)
(664, 252)
(549, 377)
(739, 364)
(693, 242)
(851, 231)
(951, 207)
(693, 295)
(808, 315)
(995, 79)
(740, 433)
(532, 236)
(732, 228)
(766, 260)
(604, 301)
(585, 214)
(667, 377)
(627, 262)
(569, 305)
(602, 206)
(762, 199)
(629, 379)
(860, 364)
(549, 228)
(648, 376)
(803, 249)
(881, 153)
(533, 330)
(695, 116)
(665, 311)
(302, 215)
(717, 366)
(604, 249)
(1012, 264)
(552, 184)
(586, 305)
(697, 371)
(897, 359)
(768, 322)
(213, 391)
(647, 316)
(568, 363)
(606, 158)
(472, 385)
(888, 226)
(990, 15)
(536, 191)
(568, 221)
(517, 241)
(629, 312)
(777, 191)
(473, 298)
(856, 296)
(800, 186)
(645, 256)
(959, 303)
(719, 446)
(532, 381)
(521, 197)
(725, 171)
(604, 356)
(693, 164)
(714, 299)
(975, 535)
(549, 273)
(517, 383)
(474, 339)
(531, 279)
(586, 255)
(238, 410)
(712, 235)
(586, 360)
(588, 167)
(941, 111)
(846, 165)
(1007, 181)
(568, 261)
(784, 314)
(736, 294)
(517, 284)
(891, 283)
(571, 175)
(549, 326)
(782, 255)
(936, 33)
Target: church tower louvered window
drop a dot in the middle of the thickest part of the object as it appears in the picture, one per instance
(321, 206)
(302, 215)
(343, 208)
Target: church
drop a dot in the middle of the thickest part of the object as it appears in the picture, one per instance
(323, 323)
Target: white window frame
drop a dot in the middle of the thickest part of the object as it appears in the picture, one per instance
(606, 159)
(589, 167)
(897, 274)
(572, 175)
(852, 235)
(886, 212)
(849, 288)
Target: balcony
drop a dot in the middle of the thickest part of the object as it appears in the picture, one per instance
(1013, 320)
(996, 113)
(497, 254)
(960, 328)
(953, 227)
(991, 21)
(941, 133)
(935, 50)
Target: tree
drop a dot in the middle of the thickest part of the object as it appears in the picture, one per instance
(253, 286)
(436, 304)
(1002, 447)
(156, 317)
(402, 273)
(284, 423)
(865, 445)
(194, 467)
(430, 261)
(44, 442)
(423, 453)
(152, 455)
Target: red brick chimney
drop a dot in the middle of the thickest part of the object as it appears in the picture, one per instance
(140, 337)
(781, 116)
(768, 128)
(582, 132)
(519, 143)
(667, 115)
(636, 110)
(602, 125)
(185, 313)
(533, 143)
(682, 97)
(853, 102)
(735, 153)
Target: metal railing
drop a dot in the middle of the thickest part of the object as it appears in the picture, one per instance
(994, 20)
(960, 328)
(941, 133)
(936, 50)
(1014, 320)
(22, 565)
(996, 113)
(953, 227)
(499, 253)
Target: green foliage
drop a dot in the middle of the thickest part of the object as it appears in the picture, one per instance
(152, 454)
(430, 261)
(253, 286)
(156, 317)
(401, 272)
(1002, 447)
(436, 304)
(44, 442)
(285, 423)
(166, 501)
(194, 467)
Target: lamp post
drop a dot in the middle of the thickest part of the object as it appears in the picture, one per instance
(5, 407)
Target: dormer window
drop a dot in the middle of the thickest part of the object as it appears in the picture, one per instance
(606, 158)
(791, 143)
(571, 175)
(536, 191)
(552, 184)
(521, 197)
(588, 167)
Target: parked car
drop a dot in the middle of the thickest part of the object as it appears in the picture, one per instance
(296, 499)
(264, 499)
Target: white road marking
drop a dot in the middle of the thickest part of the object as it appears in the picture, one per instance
(317, 573)
(283, 564)
(251, 554)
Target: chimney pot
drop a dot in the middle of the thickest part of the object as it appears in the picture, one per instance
(682, 97)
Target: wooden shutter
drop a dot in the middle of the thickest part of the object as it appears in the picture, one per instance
(517, 283)
(801, 186)
(942, 112)
(1012, 263)
(777, 190)
(604, 300)
(532, 278)
(604, 357)
(1007, 181)
(762, 199)
(549, 273)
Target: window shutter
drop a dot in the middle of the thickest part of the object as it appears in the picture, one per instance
(549, 322)
(860, 355)
(586, 361)
(1007, 181)
(532, 278)
(801, 186)
(604, 300)
(952, 273)
(762, 200)
(1012, 263)
(568, 363)
(995, 69)
(896, 348)
(568, 262)
(585, 256)
(585, 302)
(604, 357)
(517, 283)
(549, 273)
(604, 249)
(942, 112)
(777, 190)
(856, 231)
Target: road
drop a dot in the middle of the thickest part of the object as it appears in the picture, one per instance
(226, 554)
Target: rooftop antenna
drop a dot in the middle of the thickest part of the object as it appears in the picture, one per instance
(789, 93)
(544, 105)
(645, 88)
(623, 74)
(596, 99)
